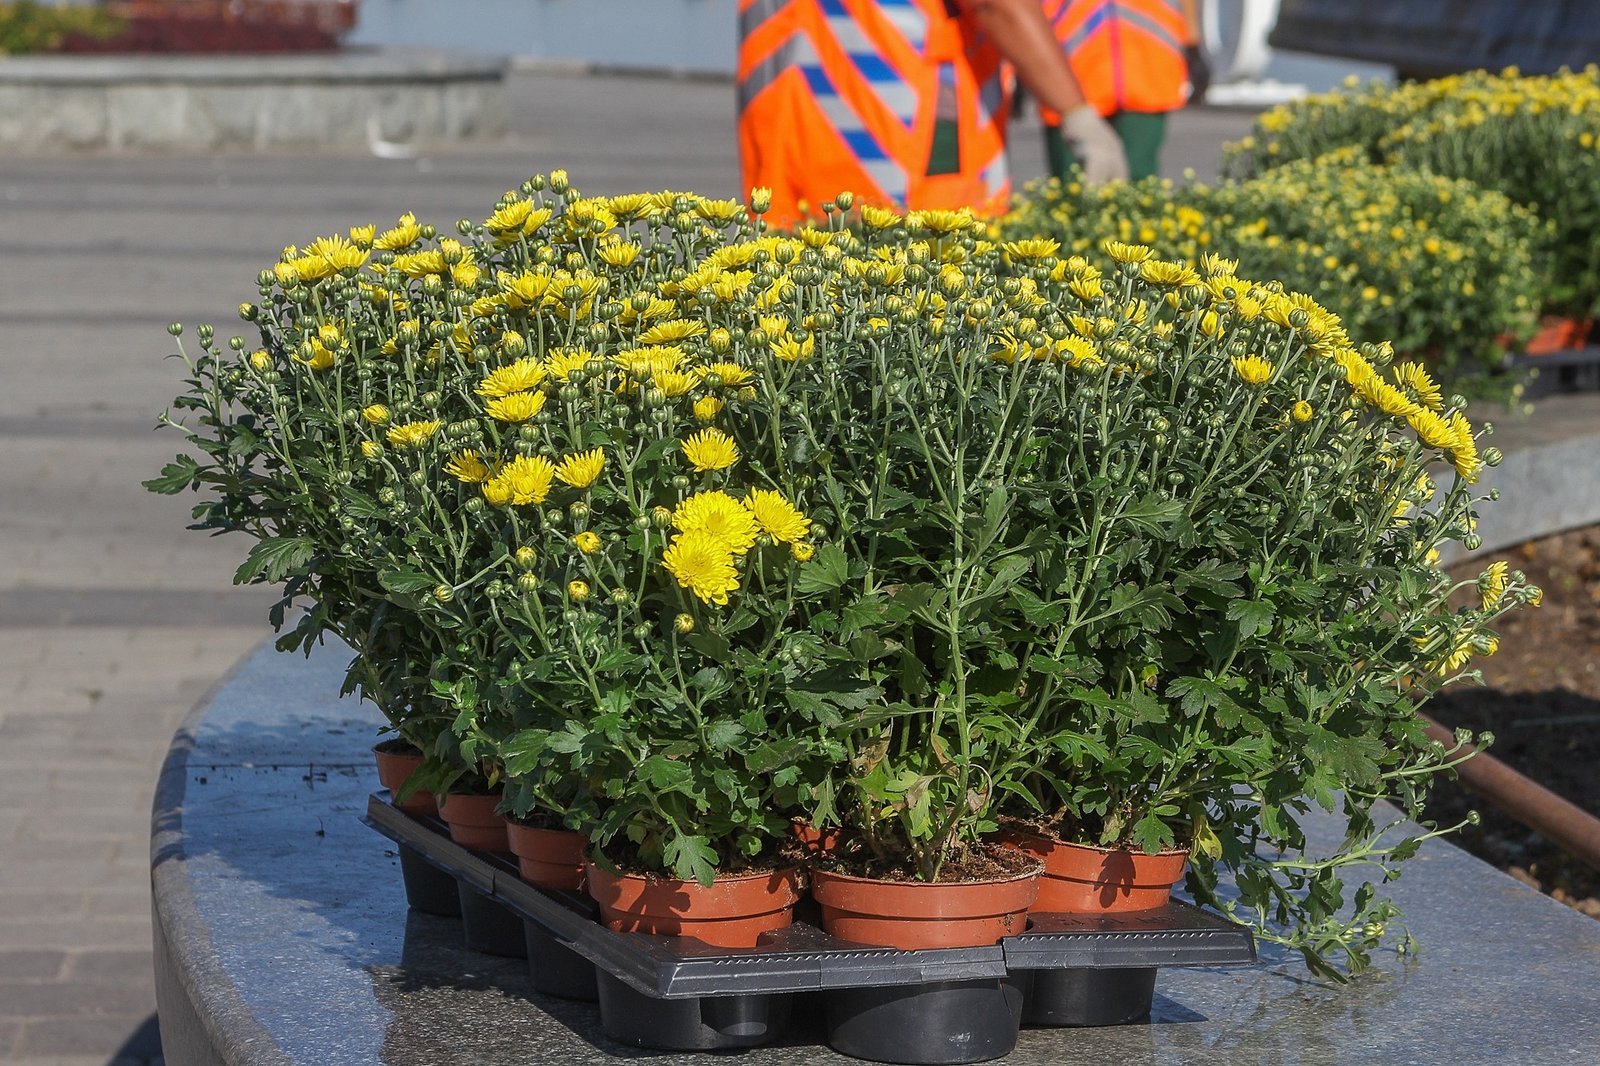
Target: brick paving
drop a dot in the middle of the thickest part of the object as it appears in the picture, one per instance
(113, 620)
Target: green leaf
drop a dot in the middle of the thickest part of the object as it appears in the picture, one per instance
(405, 581)
(1253, 616)
(827, 571)
(724, 733)
(273, 558)
(1153, 513)
(1152, 834)
(691, 858)
(175, 476)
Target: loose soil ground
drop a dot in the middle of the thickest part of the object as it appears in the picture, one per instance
(1541, 700)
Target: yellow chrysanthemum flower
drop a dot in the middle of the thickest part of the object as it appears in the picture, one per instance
(588, 542)
(371, 449)
(1127, 253)
(733, 375)
(1456, 659)
(706, 408)
(339, 254)
(1423, 389)
(944, 222)
(676, 382)
(1032, 248)
(791, 350)
(413, 434)
(631, 206)
(703, 565)
(468, 467)
(1433, 430)
(522, 481)
(523, 375)
(1252, 369)
(1464, 448)
(718, 515)
(710, 449)
(672, 331)
(777, 517)
(1162, 272)
(1301, 411)
(582, 469)
(403, 235)
(1492, 584)
(620, 254)
(879, 217)
(518, 407)
(578, 590)
(802, 551)
(376, 414)
(563, 361)
(721, 212)
(361, 236)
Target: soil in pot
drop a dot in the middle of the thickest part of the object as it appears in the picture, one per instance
(547, 857)
(473, 822)
(733, 912)
(1082, 879)
(397, 760)
(973, 904)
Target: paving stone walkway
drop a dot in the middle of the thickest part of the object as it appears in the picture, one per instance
(113, 619)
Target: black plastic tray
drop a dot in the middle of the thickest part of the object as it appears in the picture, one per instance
(963, 1004)
(803, 958)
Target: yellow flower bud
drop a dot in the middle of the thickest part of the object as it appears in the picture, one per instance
(684, 623)
(802, 551)
(578, 590)
(526, 557)
(376, 415)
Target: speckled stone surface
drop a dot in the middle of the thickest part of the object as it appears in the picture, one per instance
(283, 936)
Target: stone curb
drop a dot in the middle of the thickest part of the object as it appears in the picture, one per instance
(53, 104)
(202, 1014)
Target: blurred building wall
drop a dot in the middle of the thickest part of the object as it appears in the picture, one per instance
(684, 35)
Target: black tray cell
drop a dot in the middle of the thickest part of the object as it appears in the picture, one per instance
(940, 1022)
(1089, 997)
(490, 927)
(428, 888)
(555, 969)
(702, 1023)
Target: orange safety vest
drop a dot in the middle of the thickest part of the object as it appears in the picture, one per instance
(844, 95)
(1126, 54)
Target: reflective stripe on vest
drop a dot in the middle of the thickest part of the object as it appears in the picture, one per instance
(1126, 54)
(866, 72)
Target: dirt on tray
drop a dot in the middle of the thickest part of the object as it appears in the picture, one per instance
(1541, 700)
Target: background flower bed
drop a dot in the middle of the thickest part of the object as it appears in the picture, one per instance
(1441, 269)
(1533, 138)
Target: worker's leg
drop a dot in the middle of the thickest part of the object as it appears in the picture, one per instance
(1141, 133)
(1056, 156)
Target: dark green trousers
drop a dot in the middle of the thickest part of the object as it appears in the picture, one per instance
(1141, 133)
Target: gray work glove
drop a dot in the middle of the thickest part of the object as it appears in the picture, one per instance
(1095, 144)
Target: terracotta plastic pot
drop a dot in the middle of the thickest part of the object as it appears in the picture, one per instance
(473, 822)
(1555, 334)
(912, 914)
(732, 913)
(549, 858)
(397, 761)
(1080, 879)
(817, 841)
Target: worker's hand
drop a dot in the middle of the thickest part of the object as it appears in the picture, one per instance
(1095, 144)
(1194, 57)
